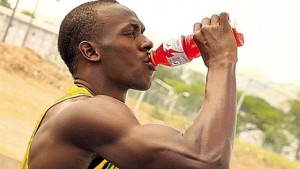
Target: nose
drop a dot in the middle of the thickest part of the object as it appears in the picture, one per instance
(146, 44)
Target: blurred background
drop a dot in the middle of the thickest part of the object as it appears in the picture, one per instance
(32, 74)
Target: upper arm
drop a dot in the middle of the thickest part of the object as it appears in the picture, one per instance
(108, 128)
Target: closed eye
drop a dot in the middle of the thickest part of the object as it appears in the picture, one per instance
(131, 33)
(134, 30)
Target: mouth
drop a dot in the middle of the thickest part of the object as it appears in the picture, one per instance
(151, 67)
(148, 62)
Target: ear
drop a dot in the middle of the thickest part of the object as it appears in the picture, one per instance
(89, 51)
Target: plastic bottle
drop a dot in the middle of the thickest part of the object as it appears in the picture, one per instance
(182, 50)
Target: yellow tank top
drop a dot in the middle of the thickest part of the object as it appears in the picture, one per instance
(73, 91)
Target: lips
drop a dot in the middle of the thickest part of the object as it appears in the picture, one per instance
(149, 64)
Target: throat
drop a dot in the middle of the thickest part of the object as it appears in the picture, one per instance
(99, 89)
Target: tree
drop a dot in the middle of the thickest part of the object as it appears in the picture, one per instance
(188, 84)
(266, 118)
(293, 122)
(190, 94)
(5, 3)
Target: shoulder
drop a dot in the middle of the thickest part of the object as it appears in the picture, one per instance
(95, 120)
(96, 107)
(103, 108)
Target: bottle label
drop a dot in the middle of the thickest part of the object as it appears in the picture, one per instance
(178, 56)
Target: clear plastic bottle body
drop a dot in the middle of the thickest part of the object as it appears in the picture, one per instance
(182, 50)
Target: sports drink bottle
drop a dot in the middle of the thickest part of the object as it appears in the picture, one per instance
(182, 50)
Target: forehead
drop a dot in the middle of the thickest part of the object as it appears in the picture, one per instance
(116, 15)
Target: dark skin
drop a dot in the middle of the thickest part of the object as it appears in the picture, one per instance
(77, 130)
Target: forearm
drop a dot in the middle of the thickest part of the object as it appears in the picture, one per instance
(220, 101)
(213, 130)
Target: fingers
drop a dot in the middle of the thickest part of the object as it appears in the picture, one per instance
(224, 18)
(215, 20)
(197, 27)
(206, 21)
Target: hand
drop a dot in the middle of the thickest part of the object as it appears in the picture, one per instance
(215, 40)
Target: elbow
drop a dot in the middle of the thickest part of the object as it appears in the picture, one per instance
(218, 162)
(211, 163)
(214, 157)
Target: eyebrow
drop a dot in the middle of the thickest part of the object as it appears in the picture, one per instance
(137, 26)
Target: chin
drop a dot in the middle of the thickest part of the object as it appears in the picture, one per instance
(143, 87)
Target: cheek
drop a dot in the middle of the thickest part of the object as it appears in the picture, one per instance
(122, 59)
(139, 76)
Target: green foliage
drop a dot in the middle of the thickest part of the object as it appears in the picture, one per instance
(190, 95)
(293, 118)
(265, 118)
(189, 86)
(293, 122)
(261, 112)
(5, 3)
(275, 137)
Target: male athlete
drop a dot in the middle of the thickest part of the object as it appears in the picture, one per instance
(103, 45)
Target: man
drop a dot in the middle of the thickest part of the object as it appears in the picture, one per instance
(103, 45)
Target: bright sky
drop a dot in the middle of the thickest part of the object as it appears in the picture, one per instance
(271, 28)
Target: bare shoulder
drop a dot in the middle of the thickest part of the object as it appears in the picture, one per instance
(94, 120)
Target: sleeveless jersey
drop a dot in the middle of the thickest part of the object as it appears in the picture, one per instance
(73, 91)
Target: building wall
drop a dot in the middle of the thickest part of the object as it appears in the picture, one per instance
(42, 35)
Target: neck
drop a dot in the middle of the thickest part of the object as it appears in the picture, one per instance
(96, 89)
